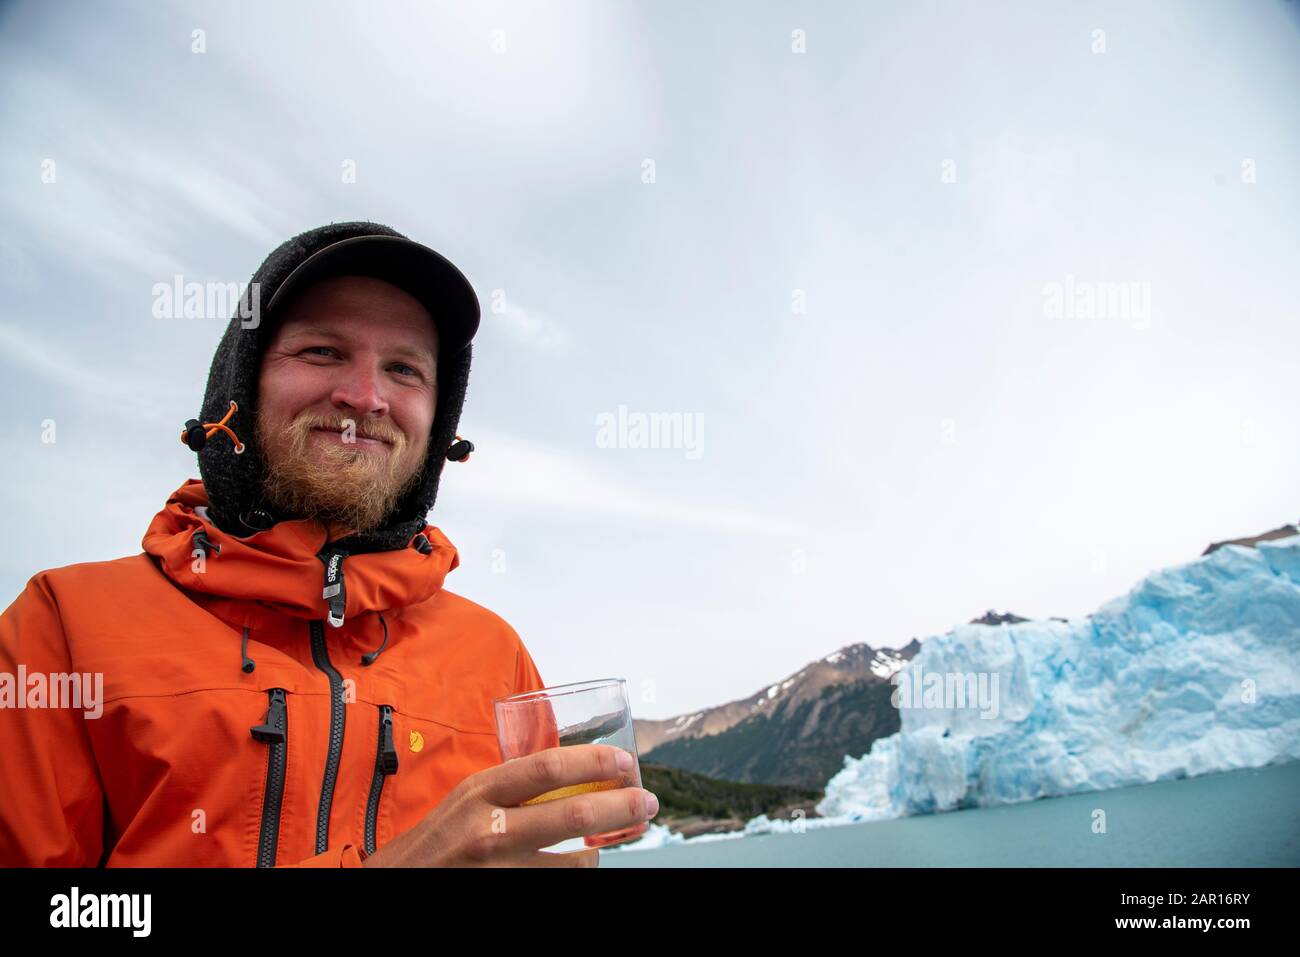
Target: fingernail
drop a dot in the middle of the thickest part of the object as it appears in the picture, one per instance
(624, 760)
(651, 804)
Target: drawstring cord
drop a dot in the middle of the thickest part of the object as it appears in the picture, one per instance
(369, 657)
(196, 433)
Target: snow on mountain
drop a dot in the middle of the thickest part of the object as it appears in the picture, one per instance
(684, 722)
(848, 665)
(886, 662)
(1196, 670)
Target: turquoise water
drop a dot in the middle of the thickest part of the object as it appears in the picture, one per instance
(1247, 818)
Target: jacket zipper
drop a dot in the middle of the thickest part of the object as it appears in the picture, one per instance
(335, 595)
(321, 657)
(275, 733)
(385, 764)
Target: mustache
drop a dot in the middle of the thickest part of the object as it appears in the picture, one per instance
(363, 428)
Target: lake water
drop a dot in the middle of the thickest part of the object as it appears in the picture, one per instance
(1247, 818)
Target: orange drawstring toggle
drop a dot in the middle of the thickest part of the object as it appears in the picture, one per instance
(197, 433)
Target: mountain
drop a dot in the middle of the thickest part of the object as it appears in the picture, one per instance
(793, 733)
(1286, 531)
(1195, 670)
(994, 617)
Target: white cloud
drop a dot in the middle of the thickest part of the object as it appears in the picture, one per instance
(98, 217)
(529, 328)
(61, 366)
(507, 470)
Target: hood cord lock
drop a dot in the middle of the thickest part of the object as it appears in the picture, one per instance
(196, 433)
(200, 543)
(459, 450)
(248, 664)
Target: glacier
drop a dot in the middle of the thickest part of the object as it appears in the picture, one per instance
(1195, 670)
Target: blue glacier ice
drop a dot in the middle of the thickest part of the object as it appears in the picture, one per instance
(1196, 670)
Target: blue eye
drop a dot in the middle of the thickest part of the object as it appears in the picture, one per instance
(330, 351)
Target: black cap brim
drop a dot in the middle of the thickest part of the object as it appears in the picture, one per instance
(428, 276)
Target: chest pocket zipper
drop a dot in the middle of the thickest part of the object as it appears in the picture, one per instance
(385, 764)
(274, 732)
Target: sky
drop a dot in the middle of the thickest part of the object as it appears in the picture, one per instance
(852, 246)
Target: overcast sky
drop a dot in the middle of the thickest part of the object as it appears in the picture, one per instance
(852, 242)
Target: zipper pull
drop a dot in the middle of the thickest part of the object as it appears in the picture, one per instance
(388, 756)
(272, 732)
(334, 594)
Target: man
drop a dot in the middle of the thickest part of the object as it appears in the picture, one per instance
(282, 679)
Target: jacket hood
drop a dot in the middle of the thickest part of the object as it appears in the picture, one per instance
(234, 480)
(282, 571)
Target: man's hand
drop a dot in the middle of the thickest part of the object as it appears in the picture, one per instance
(481, 823)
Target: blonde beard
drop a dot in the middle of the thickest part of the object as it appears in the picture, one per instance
(353, 487)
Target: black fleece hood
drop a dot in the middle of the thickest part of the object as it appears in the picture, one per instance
(233, 481)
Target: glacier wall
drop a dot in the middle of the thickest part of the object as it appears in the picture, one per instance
(1196, 670)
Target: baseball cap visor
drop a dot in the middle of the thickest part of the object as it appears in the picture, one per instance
(428, 276)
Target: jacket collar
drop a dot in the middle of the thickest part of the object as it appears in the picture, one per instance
(283, 568)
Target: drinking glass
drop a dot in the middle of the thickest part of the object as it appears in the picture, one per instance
(586, 712)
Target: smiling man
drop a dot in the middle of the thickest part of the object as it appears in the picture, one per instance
(286, 681)
(348, 393)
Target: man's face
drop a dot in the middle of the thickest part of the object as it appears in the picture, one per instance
(346, 398)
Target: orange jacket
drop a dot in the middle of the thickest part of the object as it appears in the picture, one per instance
(238, 727)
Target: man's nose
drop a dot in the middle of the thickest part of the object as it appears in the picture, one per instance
(358, 390)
